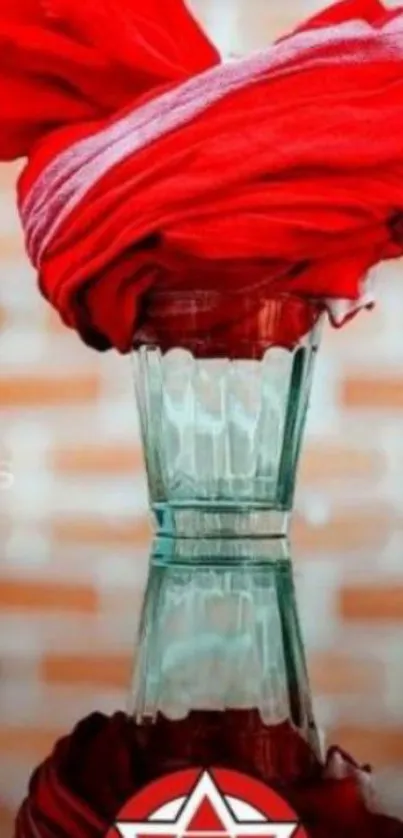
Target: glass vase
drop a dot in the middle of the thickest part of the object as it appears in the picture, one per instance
(220, 674)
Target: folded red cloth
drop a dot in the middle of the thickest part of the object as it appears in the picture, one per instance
(152, 165)
(80, 789)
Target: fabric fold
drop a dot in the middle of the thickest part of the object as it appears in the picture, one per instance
(152, 166)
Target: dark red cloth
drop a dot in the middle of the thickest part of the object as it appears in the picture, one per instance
(80, 789)
(205, 322)
(292, 182)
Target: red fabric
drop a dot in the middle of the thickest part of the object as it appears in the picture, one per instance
(67, 63)
(226, 325)
(81, 788)
(294, 179)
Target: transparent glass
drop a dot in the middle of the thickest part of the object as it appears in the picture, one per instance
(219, 632)
(223, 435)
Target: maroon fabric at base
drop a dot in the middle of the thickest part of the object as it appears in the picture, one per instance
(80, 789)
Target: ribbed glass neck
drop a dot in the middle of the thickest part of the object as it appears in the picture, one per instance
(218, 522)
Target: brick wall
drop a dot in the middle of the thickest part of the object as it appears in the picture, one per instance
(75, 534)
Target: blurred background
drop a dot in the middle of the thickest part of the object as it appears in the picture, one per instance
(73, 510)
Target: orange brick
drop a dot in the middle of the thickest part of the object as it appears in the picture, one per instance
(7, 816)
(9, 173)
(376, 391)
(30, 595)
(371, 602)
(259, 24)
(47, 390)
(73, 670)
(52, 321)
(333, 673)
(98, 459)
(122, 601)
(349, 529)
(380, 747)
(11, 246)
(326, 462)
(34, 742)
(86, 531)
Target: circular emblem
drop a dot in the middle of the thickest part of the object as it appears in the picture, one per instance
(197, 803)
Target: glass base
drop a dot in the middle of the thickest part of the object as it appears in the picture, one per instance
(223, 520)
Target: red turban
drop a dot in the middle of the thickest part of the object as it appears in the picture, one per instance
(154, 167)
